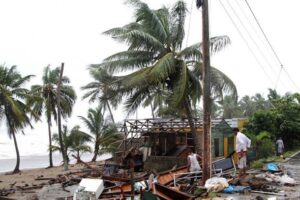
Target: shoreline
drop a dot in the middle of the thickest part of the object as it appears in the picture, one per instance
(41, 162)
(35, 179)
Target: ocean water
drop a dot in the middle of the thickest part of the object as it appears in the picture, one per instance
(33, 148)
(31, 162)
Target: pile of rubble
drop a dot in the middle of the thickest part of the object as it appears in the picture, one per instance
(175, 183)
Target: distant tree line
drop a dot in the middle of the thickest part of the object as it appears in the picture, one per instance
(268, 118)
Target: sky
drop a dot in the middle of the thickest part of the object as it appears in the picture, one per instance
(37, 33)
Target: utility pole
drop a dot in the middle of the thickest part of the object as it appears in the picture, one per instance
(206, 155)
(62, 146)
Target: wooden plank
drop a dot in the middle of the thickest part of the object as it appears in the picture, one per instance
(169, 193)
(163, 179)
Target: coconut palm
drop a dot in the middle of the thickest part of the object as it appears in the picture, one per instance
(55, 145)
(105, 135)
(100, 90)
(79, 140)
(230, 108)
(44, 99)
(13, 109)
(155, 54)
(75, 141)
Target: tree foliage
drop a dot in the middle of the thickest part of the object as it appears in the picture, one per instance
(105, 135)
(282, 119)
(75, 141)
(13, 108)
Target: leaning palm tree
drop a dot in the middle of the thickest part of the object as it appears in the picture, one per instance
(156, 56)
(13, 109)
(105, 135)
(44, 99)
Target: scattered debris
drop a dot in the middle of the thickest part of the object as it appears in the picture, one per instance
(216, 184)
(89, 189)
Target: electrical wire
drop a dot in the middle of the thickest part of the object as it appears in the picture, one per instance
(262, 42)
(246, 42)
(273, 50)
(189, 24)
(251, 38)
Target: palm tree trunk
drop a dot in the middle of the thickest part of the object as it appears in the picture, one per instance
(50, 146)
(110, 112)
(152, 110)
(17, 167)
(63, 150)
(78, 157)
(95, 152)
(196, 136)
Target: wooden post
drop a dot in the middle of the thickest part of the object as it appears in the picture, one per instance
(225, 147)
(206, 94)
(62, 146)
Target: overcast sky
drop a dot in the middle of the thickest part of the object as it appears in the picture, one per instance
(36, 33)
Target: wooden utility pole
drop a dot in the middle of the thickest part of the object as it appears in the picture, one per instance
(62, 146)
(206, 154)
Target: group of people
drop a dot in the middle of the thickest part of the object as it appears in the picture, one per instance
(243, 143)
(134, 161)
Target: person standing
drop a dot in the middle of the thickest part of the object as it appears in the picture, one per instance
(242, 145)
(280, 146)
(193, 164)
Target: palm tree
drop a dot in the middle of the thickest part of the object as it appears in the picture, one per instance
(79, 140)
(230, 108)
(155, 54)
(100, 90)
(74, 142)
(105, 135)
(247, 106)
(13, 110)
(55, 146)
(44, 99)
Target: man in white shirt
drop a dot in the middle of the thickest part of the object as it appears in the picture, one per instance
(242, 145)
(193, 164)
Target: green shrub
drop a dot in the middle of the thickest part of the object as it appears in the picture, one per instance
(258, 163)
(265, 148)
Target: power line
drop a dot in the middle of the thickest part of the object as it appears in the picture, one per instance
(251, 38)
(189, 24)
(263, 42)
(264, 33)
(246, 42)
(274, 52)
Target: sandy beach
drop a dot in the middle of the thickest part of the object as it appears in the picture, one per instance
(27, 178)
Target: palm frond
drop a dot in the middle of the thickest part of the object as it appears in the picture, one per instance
(192, 52)
(163, 68)
(124, 65)
(218, 43)
(181, 87)
(135, 100)
(222, 84)
(122, 30)
(178, 15)
(150, 19)
(131, 54)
